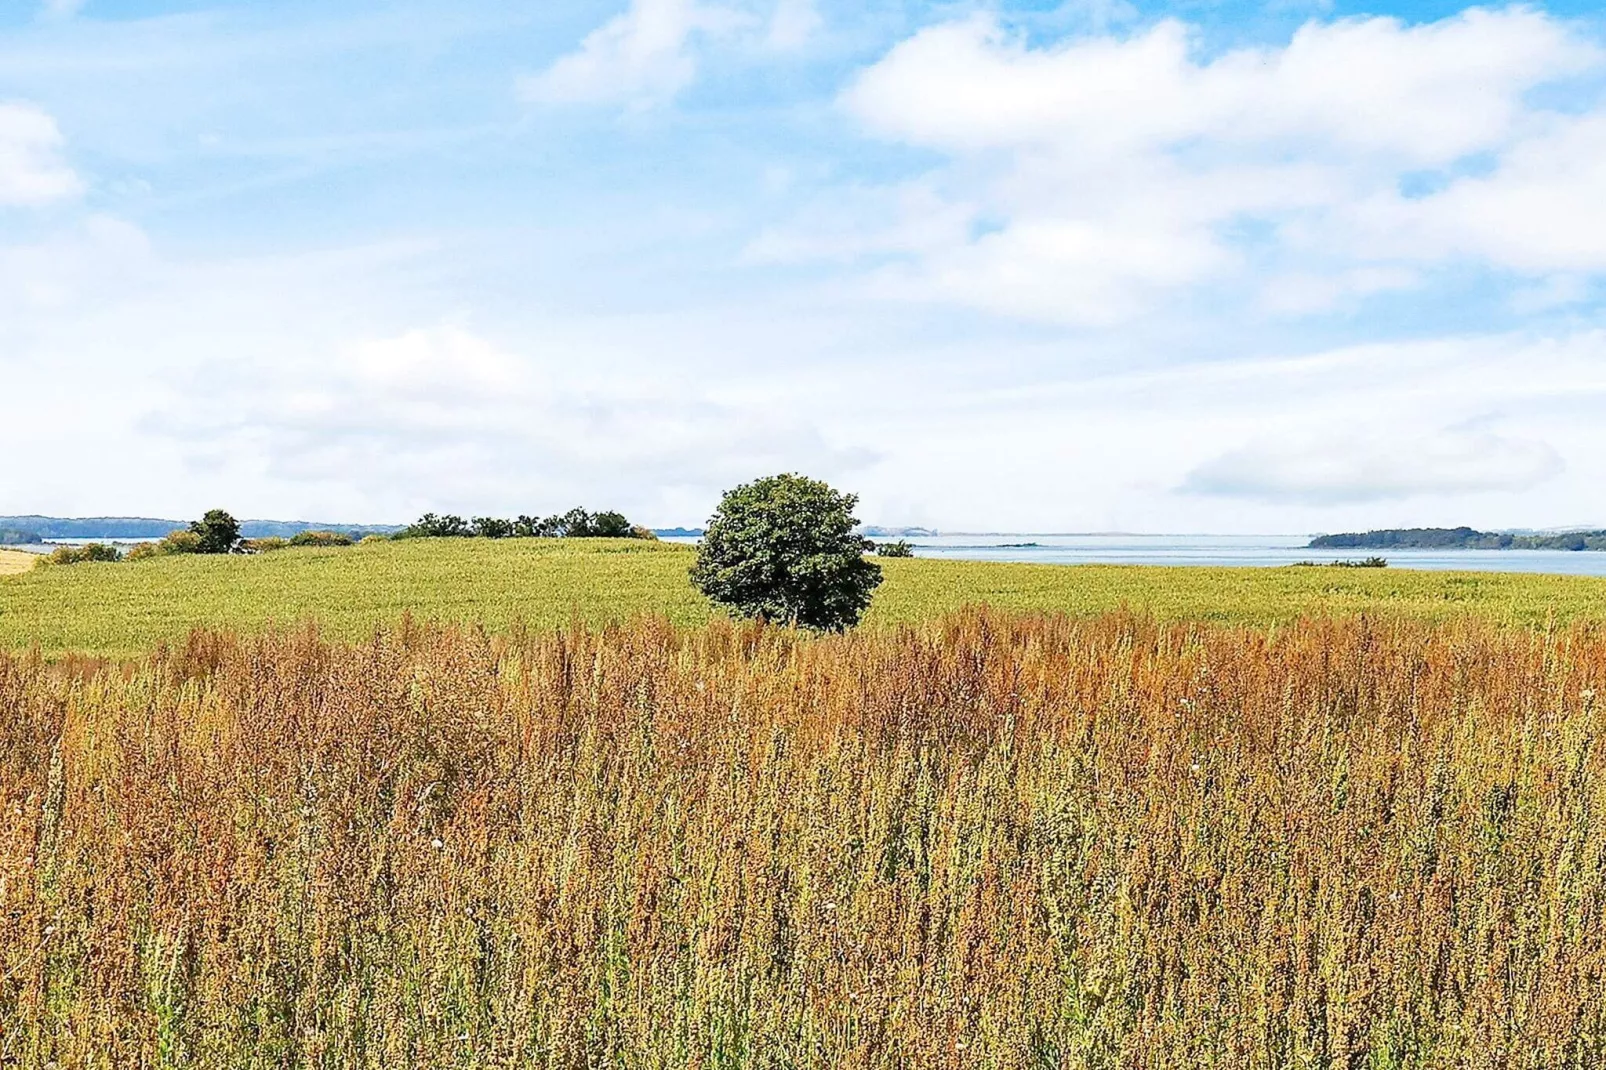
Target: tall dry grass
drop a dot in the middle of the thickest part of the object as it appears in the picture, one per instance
(995, 842)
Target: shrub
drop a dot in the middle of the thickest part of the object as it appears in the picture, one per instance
(178, 542)
(219, 533)
(320, 538)
(263, 545)
(77, 555)
(369, 540)
(783, 549)
(901, 548)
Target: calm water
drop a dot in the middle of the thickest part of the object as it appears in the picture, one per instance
(1259, 551)
(1243, 550)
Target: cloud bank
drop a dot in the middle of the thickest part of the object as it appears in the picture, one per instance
(1088, 182)
(1380, 465)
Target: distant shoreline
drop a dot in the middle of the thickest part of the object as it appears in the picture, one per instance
(1462, 538)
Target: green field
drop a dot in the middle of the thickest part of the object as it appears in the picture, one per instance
(120, 609)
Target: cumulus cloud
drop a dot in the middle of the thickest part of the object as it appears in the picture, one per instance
(32, 171)
(1380, 464)
(1424, 94)
(649, 53)
(1103, 173)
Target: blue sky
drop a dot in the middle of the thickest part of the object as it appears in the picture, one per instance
(1092, 266)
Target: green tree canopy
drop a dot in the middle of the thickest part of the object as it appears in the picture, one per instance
(219, 532)
(784, 549)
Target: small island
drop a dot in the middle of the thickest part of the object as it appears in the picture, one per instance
(1462, 538)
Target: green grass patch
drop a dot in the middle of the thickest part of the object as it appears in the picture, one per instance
(122, 609)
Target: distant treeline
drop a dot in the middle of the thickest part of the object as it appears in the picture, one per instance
(1462, 538)
(31, 530)
(219, 533)
(575, 524)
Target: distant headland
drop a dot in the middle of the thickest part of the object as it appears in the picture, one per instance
(1462, 538)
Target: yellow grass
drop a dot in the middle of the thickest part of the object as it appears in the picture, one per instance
(992, 841)
(13, 562)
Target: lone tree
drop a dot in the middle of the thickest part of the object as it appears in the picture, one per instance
(783, 549)
(219, 532)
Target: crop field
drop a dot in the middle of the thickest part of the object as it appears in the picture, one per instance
(125, 609)
(14, 561)
(992, 840)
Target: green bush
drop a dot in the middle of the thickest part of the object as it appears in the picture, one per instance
(263, 545)
(901, 548)
(77, 555)
(320, 538)
(174, 542)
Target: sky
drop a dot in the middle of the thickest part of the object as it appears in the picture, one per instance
(1203, 266)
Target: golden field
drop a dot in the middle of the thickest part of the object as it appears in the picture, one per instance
(13, 562)
(992, 840)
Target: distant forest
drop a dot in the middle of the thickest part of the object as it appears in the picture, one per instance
(1457, 539)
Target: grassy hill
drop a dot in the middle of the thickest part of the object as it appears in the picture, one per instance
(119, 609)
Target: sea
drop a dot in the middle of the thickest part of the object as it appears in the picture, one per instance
(1250, 551)
(1247, 551)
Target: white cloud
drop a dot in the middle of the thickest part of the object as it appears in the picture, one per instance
(58, 10)
(442, 417)
(645, 56)
(639, 56)
(1294, 293)
(444, 361)
(1376, 464)
(1104, 173)
(32, 171)
(1541, 209)
(1424, 94)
